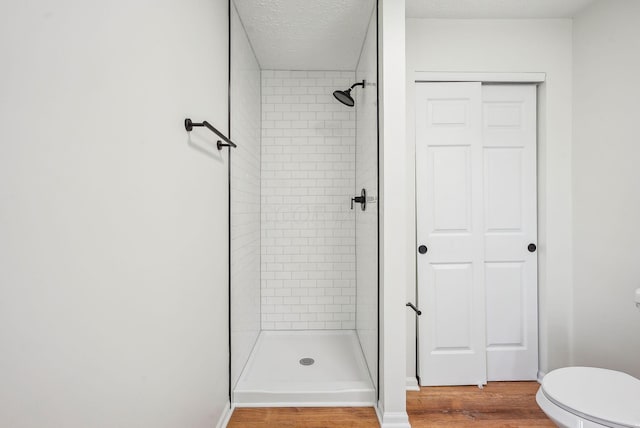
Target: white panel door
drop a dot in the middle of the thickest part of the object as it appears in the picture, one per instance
(449, 224)
(510, 232)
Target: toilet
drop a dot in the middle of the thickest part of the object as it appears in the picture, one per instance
(588, 397)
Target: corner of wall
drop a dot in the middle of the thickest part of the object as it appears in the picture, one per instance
(225, 417)
(394, 274)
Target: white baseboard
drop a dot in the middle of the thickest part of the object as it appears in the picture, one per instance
(225, 416)
(412, 384)
(395, 420)
(392, 419)
(540, 376)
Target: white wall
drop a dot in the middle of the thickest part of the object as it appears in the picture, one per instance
(606, 195)
(113, 226)
(366, 159)
(393, 213)
(245, 197)
(512, 46)
(308, 163)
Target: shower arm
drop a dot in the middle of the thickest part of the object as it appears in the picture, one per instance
(357, 84)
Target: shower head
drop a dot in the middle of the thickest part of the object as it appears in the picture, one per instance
(345, 96)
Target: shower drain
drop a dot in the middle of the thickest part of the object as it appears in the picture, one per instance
(307, 361)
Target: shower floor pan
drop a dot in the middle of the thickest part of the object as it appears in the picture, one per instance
(310, 368)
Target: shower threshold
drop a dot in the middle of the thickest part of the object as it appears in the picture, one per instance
(305, 368)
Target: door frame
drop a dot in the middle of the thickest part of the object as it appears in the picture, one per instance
(536, 78)
(483, 77)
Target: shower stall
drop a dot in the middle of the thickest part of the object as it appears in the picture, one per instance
(303, 203)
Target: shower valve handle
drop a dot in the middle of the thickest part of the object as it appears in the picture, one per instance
(357, 199)
(362, 200)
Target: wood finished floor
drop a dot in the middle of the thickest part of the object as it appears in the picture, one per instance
(499, 404)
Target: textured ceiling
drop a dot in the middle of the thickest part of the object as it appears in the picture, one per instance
(306, 34)
(469, 9)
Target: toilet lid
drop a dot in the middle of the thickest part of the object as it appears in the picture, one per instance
(603, 396)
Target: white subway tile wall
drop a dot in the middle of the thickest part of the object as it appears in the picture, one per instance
(245, 198)
(367, 221)
(308, 179)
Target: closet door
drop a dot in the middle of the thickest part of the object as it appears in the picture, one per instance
(449, 231)
(476, 232)
(510, 230)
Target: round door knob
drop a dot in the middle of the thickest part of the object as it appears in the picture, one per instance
(531, 247)
(422, 249)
